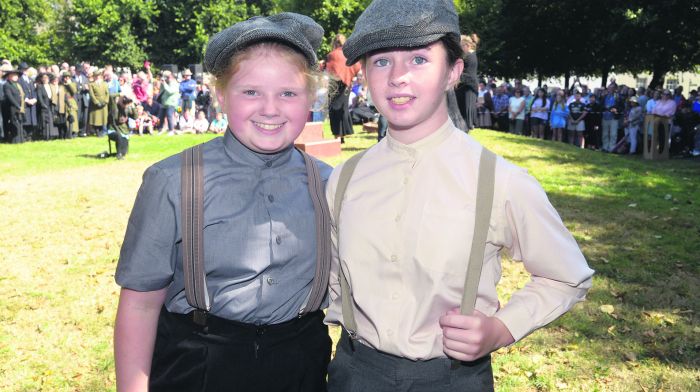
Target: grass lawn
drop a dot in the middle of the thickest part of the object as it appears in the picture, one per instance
(64, 212)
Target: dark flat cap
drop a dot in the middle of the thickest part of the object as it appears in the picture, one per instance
(400, 24)
(299, 31)
(23, 66)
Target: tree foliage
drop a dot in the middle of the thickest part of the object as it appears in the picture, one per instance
(26, 30)
(109, 31)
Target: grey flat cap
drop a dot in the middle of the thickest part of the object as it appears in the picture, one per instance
(400, 24)
(297, 30)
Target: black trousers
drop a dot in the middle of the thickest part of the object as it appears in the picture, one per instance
(231, 356)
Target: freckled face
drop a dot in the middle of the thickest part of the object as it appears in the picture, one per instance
(408, 87)
(266, 101)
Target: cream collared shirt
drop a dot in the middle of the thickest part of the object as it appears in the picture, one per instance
(406, 226)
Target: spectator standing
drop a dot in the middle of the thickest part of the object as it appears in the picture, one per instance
(98, 118)
(14, 107)
(169, 97)
(613, 109)
(577, 124)
(500, 106)
(82, 81)
(632, 123)
(467, 90)
(516, 112)
(539, 113)
(203, 99)
(188, 92)
(593, 121)
(484, 107)
(341, 79)
(30, 100)
(45, 113)
(4, 67)
(557, 119)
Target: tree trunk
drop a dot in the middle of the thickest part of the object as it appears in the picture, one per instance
(604, 78)
(539, 80)
(657, 80)
(567, 76)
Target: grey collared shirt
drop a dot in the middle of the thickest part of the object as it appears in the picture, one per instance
(259, 233)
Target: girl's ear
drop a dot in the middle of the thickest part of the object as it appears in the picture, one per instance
(220, 98)
(455, 73)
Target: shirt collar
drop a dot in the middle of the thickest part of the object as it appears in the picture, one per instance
(242, 154)
(424, 145)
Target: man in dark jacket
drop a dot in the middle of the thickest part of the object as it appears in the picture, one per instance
(30, 100)
(13, 106)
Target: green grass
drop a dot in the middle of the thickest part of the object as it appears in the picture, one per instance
(64, 213)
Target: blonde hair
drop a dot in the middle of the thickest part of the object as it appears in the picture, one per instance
(338, 41)
(311, 74)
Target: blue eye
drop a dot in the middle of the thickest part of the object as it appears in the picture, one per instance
(250, 92)
(381, 62)
(289, 94)
(419, 60)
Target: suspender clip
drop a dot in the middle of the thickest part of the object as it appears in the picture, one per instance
(199, 317)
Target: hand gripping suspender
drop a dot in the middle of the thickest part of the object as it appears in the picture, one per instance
(192, 211)
(484, 203)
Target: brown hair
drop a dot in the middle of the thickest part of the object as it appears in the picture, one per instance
(311, 74)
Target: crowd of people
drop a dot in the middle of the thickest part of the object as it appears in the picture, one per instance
(611, 119)
(67, 101)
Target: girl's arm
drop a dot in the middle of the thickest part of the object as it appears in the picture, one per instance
(135, 336)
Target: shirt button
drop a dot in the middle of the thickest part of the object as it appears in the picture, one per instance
(395, 296)
(278, 240)
(268, 163)
(405, 180)
(270, 281)
(394, 258)
(270, 198)
(398, 217)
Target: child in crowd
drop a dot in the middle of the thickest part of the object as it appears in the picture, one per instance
(186, 122)
(557, 119)
(219, 125)
(248, 318)
(201, 124)
(144, 121)
(402, 237)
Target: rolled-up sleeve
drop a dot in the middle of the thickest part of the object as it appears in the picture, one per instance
(535, 235)
(147, 257)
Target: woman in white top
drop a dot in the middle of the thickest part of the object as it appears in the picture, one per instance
(516, 112)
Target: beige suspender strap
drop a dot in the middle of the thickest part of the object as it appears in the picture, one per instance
(192, 215)
(345, 295)
(323, 236)
(484, 204)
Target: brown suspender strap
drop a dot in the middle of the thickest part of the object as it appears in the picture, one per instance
(322, 214)
(345, 296)
(192, 211)
(192, 215)
(484, 204)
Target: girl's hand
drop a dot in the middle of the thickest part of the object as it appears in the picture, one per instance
(468, 338)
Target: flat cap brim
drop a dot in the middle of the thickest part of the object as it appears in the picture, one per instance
(298, 31)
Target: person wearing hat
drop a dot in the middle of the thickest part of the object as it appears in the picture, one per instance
(98, 116)
(188, 91)
(266, 236)
(633, 122)
(405, 218)
(13, 106)
(44, 96)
